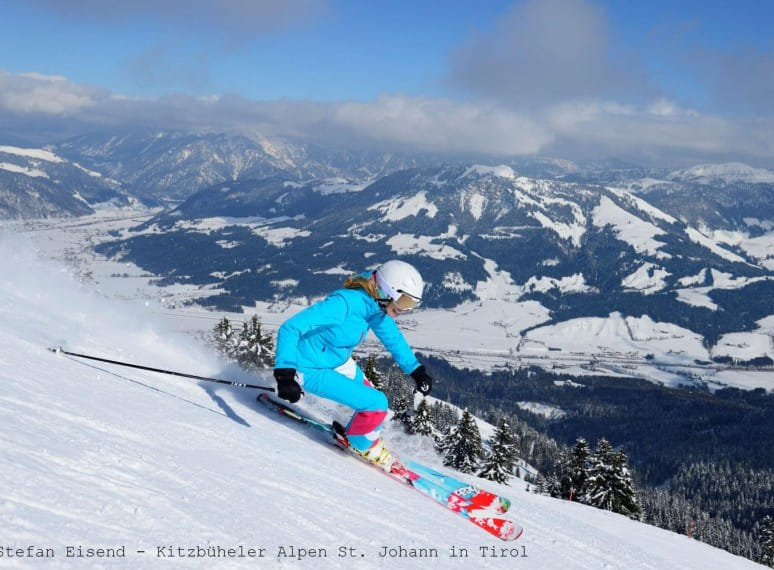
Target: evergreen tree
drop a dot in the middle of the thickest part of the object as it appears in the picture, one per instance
(444, 417)
(561, 474)
(373, 375)
(403, 408)
(625, 493)
(463, 445)
(422, 422)
(575, 471)
(223, 337)
(442, 439)
(399, 393)
(254, 349)
(553, 486)
(500, 461)
(767, 542)
(540, 485)
(609, 485)
(251, 348)
(600, 477)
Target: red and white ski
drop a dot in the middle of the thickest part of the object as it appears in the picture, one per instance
(482, 508)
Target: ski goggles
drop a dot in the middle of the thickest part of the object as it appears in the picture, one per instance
(405, 302)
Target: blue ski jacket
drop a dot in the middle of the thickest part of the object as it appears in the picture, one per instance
(325, 334)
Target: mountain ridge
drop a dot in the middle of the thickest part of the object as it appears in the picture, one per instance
(566, 242)
(38, 183)
(563, 250)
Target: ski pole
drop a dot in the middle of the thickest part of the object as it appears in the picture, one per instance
(171, 372)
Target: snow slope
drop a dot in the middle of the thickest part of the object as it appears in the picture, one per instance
(95, 456)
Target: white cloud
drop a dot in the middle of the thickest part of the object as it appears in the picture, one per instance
(49, 94)
(660, 132)
(441, 125)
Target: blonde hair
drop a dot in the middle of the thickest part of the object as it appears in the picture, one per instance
(360, 282)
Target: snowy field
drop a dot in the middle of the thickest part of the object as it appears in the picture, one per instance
(102, 460)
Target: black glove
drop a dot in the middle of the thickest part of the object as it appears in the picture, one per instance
(287, 387)
(423, 380)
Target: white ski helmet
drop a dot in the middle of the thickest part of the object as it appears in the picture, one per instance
(400, 283)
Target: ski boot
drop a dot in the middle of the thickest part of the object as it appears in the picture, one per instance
(377, 454)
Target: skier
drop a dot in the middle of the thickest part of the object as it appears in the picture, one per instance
(314, 350)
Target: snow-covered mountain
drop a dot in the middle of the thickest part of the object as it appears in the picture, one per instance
(546, 257)
(38, 183)
(726, 173)
(172, 165)
(556, 246)
(454, 205)
(99, 459)
(732, 202)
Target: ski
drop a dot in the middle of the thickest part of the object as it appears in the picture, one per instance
(463, 495)
(479, 498)
(480, 507)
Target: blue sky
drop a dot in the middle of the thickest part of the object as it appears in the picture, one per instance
(339, 50)
(680, 80)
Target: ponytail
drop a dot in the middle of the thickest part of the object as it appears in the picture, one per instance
(360, 282)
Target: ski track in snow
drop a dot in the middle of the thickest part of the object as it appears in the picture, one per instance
(103, 457)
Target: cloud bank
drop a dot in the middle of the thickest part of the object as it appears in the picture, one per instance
(659, 132)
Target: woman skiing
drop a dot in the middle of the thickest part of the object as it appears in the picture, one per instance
(314, 350)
